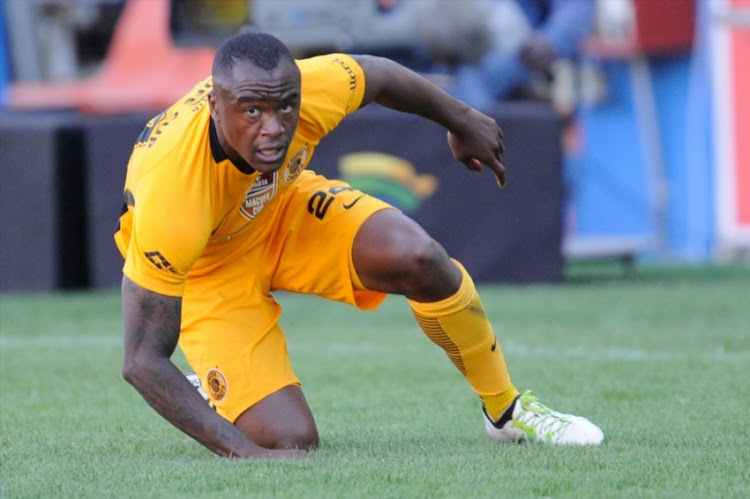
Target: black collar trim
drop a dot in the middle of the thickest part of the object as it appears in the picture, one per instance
(220, 155)
(216, 150)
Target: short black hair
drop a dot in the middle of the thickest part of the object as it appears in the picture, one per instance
(263, 50)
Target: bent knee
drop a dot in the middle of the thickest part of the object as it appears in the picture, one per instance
(426, 256)
(304, 438)
(393, 254)
(431, 274)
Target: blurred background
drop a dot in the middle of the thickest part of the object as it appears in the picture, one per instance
(627, 124)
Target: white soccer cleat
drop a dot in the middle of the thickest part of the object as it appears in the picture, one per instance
(533, 421)
(196, 382)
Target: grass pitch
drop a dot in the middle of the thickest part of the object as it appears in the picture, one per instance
(661, 362)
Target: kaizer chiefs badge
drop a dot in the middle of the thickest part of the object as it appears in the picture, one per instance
(217, 384)
(294, 167)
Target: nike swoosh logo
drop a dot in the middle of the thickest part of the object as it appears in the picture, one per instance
(494, 345)
(347, 206)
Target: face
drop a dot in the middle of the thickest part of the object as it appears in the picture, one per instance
(256, 113)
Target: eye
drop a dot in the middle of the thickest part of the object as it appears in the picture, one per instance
(286, 108)
(253, 111)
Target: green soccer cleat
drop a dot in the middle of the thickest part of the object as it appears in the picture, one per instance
(532, 421)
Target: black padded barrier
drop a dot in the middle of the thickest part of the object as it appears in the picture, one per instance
(510, 235)
(109, 142)
(44, 227)
(62, 176)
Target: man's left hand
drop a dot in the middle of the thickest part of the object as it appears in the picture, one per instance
(479, 143)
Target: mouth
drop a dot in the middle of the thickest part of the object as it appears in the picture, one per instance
(270, 154)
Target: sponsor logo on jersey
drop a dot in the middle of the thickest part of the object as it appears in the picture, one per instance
(199, 97)
(349, 71)
(217, 384)
(295, 166)
(155, 128)
(158, 261)
(259, 195)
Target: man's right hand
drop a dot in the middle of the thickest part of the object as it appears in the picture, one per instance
(151, 327)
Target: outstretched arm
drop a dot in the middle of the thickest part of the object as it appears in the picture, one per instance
(475, 138)
(151, 324)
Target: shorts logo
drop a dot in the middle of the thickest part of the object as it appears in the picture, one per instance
(262, 191)
(295, 166)
(217, 384)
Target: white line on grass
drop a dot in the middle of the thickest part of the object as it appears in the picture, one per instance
(60, 342)
(620, 353)
(513, 349)
(333, 349)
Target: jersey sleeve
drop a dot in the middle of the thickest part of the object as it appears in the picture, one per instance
(333, 86)
(170, 229)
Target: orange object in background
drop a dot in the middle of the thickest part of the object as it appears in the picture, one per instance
(143, 70)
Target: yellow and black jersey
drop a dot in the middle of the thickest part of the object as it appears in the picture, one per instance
(189, 209)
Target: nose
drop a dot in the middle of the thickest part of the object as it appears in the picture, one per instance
(271, 124)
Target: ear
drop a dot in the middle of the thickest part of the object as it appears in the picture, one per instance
(213, 105)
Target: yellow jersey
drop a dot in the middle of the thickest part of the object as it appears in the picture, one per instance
(189, 209)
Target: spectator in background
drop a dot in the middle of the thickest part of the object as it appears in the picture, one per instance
(501, 49)
(4, 56)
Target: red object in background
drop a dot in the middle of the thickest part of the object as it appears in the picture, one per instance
(730, 52)
(740, 88)
(664, 25)
(661, 27)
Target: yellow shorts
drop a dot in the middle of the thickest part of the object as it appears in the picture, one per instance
(230, 334)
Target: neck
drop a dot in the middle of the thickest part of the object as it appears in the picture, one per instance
(219, 152)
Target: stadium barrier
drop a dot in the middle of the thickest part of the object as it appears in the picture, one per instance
(44, 231)
(62, 175)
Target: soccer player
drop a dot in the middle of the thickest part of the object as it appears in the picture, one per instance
(221, 211)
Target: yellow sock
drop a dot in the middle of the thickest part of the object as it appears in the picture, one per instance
(459, 325)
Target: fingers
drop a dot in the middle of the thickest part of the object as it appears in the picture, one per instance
(495, 165)
(487, 151)
(473, 164)
(498, 169)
